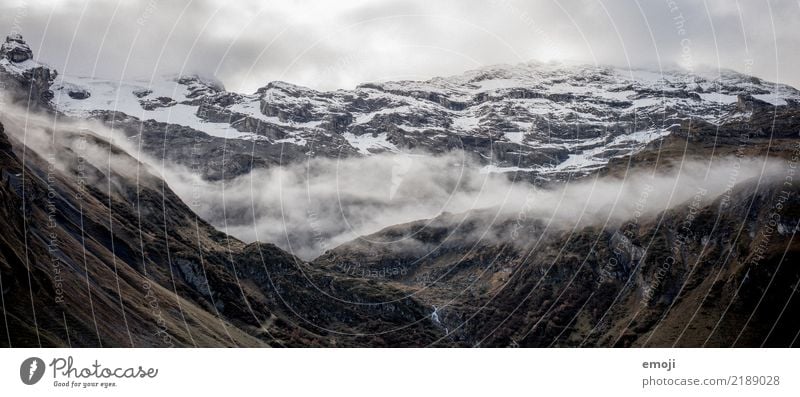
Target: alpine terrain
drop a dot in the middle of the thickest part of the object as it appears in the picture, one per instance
(578, 205)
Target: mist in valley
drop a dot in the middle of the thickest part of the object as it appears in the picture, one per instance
(312, 206)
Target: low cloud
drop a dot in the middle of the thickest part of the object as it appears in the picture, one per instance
(310, 207)
(327, 45)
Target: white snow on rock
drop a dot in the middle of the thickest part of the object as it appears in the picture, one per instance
(120, 96)
(494, 169)
(516, 137)
(19, 68)
(533, 105)
(367, 143)
(773, 99)
(718, 97)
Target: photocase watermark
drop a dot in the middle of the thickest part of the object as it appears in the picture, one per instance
(774, 217)
(350, 61)
(53, 249)
(623, 242)
(684, 236)
(67, 374)
(551, 49)
(150, 8)
(773, 224)
(31, 370)
(401, 164)
(316, 232)
(196, 167)
(19, 15)
(733, 177)
(679, 23)
(522, 214)
(81, 178)
(363, 272)
(153, 304)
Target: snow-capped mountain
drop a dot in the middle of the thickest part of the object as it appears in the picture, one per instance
(533, 117)
(74, 220)
(18, 67)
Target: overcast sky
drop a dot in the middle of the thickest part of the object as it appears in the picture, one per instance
(338, 44)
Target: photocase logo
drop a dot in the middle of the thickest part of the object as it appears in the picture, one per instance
(400, 167)
(31, 370)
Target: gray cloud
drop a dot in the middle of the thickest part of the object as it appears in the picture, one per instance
(327, 44)
(308, 208)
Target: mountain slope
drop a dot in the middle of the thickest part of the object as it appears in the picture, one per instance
(99, 251)
(544, 120)
(715, 270)
(96, 254)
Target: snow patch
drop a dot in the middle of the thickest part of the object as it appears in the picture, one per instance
(772, 99)
(367, 142)
(493, 169)
(119, 96)
(516, 137)
(718, 97)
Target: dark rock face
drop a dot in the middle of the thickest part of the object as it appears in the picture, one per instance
(536, 120)
(160, 102)
(30, 81)
(142, 259)
(79, 94)
(5, 145)
(200, 87)
(212, 157)
(230, 294)
(724, 279)
(142, 93)
(15, 49)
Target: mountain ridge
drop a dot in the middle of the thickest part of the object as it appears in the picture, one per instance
(99, 251)
(539, 119)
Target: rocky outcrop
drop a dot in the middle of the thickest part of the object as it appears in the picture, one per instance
(157, 275)
(155, 103)
(30, 82)
(15, 49)
(651, 283)
(530, 120)
(79, 94)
